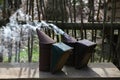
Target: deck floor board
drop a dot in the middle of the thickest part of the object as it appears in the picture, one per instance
(31, 70)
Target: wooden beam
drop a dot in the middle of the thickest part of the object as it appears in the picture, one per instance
(88, 25)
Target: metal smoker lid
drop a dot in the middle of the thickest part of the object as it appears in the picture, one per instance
(67, 38)
(87, 42)
(43, 38)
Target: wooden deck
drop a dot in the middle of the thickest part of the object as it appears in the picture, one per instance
(94, 71)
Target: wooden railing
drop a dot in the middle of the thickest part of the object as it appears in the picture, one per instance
(107, 49)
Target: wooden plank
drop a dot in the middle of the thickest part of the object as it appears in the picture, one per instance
(31, 70)
(88, 26)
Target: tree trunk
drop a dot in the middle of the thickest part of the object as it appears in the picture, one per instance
(56, 10)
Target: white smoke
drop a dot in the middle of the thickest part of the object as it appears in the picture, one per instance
(15, 32)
